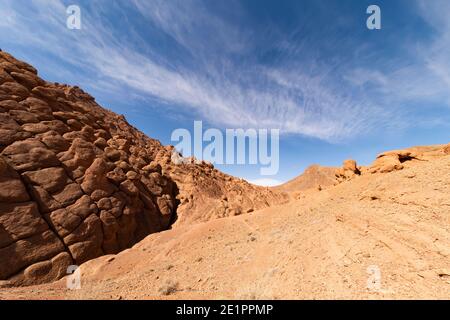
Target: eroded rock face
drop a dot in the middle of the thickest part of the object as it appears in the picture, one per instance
(391, 161)
(206, 193)
(349, 170)
(77, 181)
(70, 189)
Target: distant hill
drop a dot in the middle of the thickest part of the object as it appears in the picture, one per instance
(314, 177)
(380, 234)
(77, 181)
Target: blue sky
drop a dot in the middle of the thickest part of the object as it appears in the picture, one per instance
(312, 69)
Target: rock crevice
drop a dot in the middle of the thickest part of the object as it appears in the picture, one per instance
(77, 181)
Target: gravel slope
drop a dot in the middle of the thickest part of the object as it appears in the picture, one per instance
(325, 245)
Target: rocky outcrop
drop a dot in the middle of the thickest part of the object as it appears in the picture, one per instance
(396, 223)
(77, 181)
(206, 193)
(447, 149)
(394, 160)
(315, 177)
(349, 170)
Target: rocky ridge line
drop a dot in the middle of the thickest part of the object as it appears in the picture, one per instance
(77, 181)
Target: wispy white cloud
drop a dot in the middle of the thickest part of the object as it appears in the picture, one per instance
(437, 56)
(194, 27)
(298, 98)
(425, 80)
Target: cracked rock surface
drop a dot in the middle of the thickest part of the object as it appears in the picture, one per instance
(380, 235)
(77, 181)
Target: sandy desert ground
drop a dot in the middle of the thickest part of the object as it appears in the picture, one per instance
(325, 245)
(79, 185)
